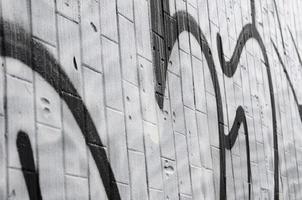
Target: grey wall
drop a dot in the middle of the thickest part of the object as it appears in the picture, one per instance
(150, 99)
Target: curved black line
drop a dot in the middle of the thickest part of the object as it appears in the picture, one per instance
(295, 45)
(300, 61)
(279, 24)
(39, 59)
(232, 137)
(29, 171)
(281, 62)
(205, 49)
(239, 119)
(229, 68)
(249, 31)
(288, 80)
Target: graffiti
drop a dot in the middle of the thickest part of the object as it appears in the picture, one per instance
(282, 63)
(52, 72)
(166, 30)
(289, 80)
(29, 170)
(249, 31)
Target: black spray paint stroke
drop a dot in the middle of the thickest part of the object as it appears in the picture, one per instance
(282, 64)
(296, 47)
(288, 80)
(48, 67)
(279, 24)
(30, 173)
(240, 119)
(249, 31)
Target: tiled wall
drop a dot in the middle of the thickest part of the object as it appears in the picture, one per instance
(119, 99)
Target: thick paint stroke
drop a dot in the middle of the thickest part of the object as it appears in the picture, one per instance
(51, 71)
(249, 31)
(240, 119)
(39, 59)
(26, 156)
(229, 68)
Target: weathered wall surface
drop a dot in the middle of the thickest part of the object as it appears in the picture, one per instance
(150, 99)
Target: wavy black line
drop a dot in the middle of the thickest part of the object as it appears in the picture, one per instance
(299, 106)
(249, 31)
(19, 44)
(240, 119)
(281, 62)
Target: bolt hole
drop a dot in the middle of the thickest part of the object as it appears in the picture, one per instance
(46, 110)
(93, 27)
(44, 100)
(75, 63)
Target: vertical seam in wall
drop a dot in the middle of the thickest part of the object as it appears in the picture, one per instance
(61, 101)
(123, 95)
(192, 74)
(204, 88)
(101, 36)
(291, 127)
(34, 91)
(182, 99)
(140, 100)
(159, 110)
(83, 97)
(170, 105)
(5, 100)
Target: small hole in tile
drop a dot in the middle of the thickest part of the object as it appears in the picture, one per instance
(46, 110)
(93, 27)
(75, 63)
(45, 100)
(67, 3)
(13, 193)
